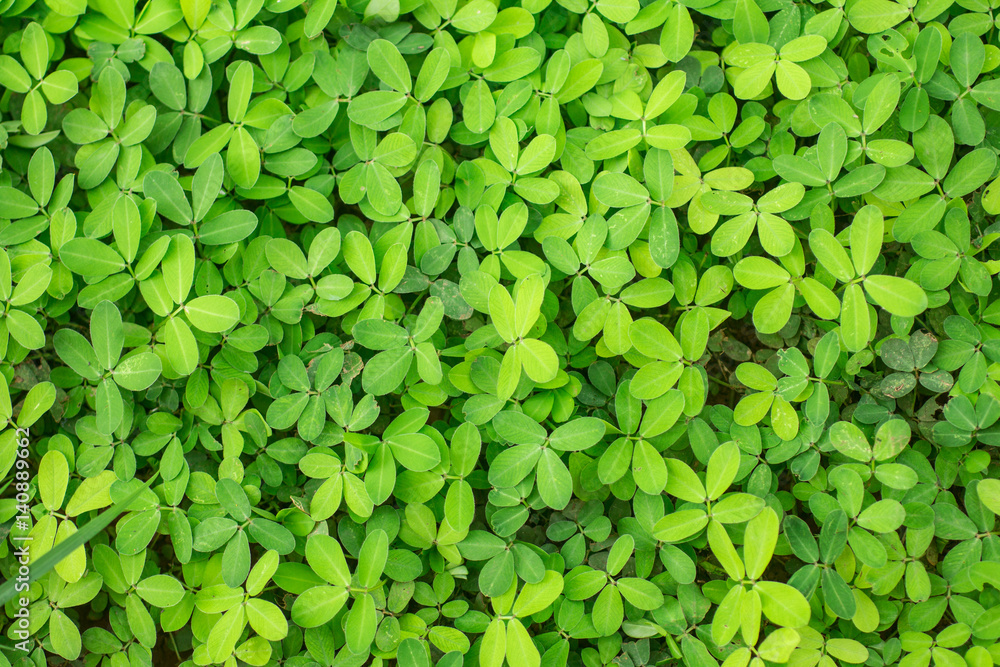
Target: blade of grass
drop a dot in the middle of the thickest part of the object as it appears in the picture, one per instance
(60, 551)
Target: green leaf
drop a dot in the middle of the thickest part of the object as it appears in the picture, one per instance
(388, 65)
(555, 483)
(25, 329)
(989, 493)
(479, 108)
(850, 441)
(53, 477)
(240, 88)
(34, 50)
(213, 314)
(899, 296)
(883, 516)
(167, 84)
(266, 619)
(107, 333)
(386, 370)
(160, 590)
(66, 640)
(208, 144)
(77, 352)
(13, 75)
(415, 451)
(873, 16)
(619, 190)
(326, 558)
(971, 172)
(539, 360)
(782, 604)
(14, 204)
(311, 204)
(494, 647)
(762, 536)
(243, 159)
(737, 508)
(855, 324)
(536, 597)
(137, 372)
(169, 196)
(722, 469)
(681, 525)
(361, 624)
(750, 24)
(641, 593)
(372, 558)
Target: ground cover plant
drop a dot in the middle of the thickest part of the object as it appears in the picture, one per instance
(530, 332)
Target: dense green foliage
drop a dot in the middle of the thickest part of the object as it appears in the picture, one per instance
(537, 332)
